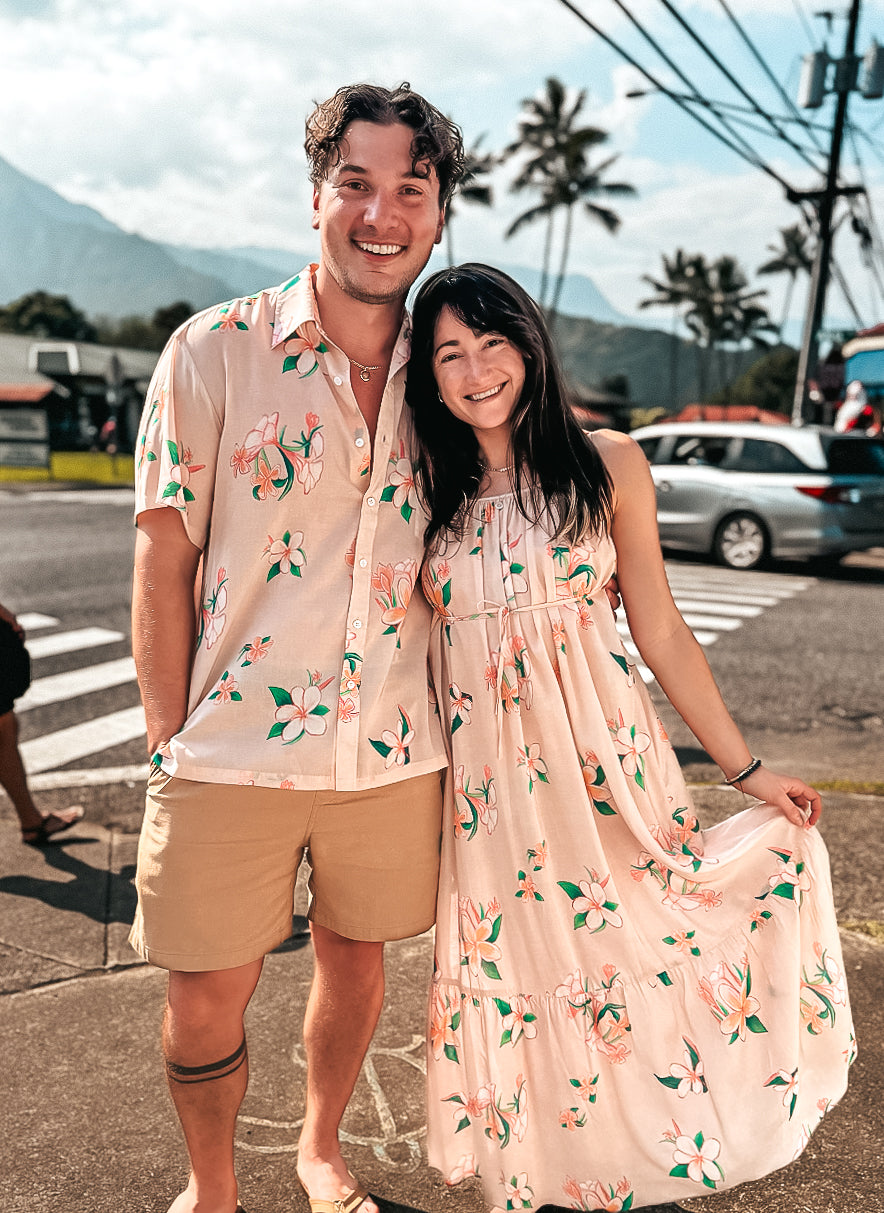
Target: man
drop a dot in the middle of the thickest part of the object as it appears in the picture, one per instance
(294, 712)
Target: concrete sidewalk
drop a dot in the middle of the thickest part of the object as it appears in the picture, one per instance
(87, 1122)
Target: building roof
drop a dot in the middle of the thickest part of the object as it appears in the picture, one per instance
(728, 412)
(31, 363)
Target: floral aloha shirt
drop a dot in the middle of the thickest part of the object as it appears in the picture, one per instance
(310, 662)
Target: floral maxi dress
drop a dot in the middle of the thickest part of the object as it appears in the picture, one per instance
(626, 1009)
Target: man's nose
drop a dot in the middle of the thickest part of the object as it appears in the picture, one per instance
(380, 210)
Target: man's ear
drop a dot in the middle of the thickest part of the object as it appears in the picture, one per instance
(439, 226)
(315, 217)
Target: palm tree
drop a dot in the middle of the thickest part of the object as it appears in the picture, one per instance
(673, 290)
(578, 183)
(477, 164)
(721, 309)
(557, 166)
(791, 257)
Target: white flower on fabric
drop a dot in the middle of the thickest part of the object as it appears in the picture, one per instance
(699, 1160)
(297, 715)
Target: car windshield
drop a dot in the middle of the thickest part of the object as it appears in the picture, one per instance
(856, 457)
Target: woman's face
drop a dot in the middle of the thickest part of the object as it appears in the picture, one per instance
(480, 376)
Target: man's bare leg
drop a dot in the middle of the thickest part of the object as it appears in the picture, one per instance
(207, 1068)
(342, 1012)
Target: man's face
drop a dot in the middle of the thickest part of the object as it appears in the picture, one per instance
(377, 219)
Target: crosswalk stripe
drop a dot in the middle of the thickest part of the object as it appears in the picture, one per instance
(71, 642)
(33, 621)
(58, 687)
(720, 622)
(774, 589)
(738, 610)
(66, 745)
(726, 596)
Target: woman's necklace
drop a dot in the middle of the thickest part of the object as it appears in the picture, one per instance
(489, 468)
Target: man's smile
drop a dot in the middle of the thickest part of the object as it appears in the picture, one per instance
(381, 250)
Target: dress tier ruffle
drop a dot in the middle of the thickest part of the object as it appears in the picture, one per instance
(626, 1009)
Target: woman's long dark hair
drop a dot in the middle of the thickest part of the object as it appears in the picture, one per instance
(557, 472)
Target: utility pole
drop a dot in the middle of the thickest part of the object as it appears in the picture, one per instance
(845, 80)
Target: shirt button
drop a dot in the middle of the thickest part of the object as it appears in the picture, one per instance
(360, 442)
(338, 380)
(370, 501)
(363, 563)
(357, 624)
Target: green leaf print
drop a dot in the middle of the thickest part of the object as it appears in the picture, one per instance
(622, 662)
(281, 696)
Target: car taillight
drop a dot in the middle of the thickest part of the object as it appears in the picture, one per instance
(840, 494)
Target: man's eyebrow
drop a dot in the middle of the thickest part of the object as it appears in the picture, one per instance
(358, 168)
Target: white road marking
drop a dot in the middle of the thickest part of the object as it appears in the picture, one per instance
(737, 610)
(33, 621)
(67, 745)
(71, 642)
(59, 687)
(719, 622)
(715, 600)
(121, 496)
(89, 777)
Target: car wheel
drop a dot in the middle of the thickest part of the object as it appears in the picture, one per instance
(740, 542)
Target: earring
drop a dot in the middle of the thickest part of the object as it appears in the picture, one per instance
(439, 394)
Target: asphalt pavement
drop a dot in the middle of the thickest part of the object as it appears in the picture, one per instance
(87, 1121)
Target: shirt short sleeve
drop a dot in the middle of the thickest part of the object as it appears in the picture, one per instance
(178, 441)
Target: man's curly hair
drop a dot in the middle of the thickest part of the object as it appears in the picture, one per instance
(437, 140)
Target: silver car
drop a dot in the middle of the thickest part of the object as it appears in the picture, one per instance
(745, 492)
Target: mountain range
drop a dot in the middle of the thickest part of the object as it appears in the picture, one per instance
(66, 248)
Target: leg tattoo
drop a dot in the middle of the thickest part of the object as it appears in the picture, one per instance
(209, 1073)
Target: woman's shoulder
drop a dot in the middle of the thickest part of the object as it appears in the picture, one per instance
(621, 455)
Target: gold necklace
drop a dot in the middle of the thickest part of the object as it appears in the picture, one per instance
(489, 468)
(364, 371)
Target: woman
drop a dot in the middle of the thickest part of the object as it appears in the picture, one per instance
(625, 1009)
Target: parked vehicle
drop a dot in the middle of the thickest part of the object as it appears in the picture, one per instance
(745, 492)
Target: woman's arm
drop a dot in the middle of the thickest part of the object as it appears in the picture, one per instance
(666, 643)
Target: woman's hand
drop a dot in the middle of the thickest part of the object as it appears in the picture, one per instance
(793, 797)
(612, 592)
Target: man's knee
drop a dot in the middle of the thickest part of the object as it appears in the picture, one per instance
(358, 956)
(197, 1000)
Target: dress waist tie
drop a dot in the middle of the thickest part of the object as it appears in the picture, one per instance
(504, 613)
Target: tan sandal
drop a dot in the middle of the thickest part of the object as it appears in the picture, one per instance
(347, 1204)
(38, 836)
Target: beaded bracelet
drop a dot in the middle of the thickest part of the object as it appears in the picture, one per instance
(745, 773)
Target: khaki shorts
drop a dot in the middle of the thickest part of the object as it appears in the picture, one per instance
(217, 865)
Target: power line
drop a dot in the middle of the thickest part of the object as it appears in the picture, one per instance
(696, 95)
(731, 78)
(802, 17)
(753, 159)
(762, 62)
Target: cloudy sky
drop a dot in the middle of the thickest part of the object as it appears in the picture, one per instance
(183, 119)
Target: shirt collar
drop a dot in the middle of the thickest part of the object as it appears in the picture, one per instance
(296, 314)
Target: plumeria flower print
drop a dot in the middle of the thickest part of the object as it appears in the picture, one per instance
(302, 355)
(696, 1157)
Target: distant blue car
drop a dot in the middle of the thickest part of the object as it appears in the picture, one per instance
(746, 492)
